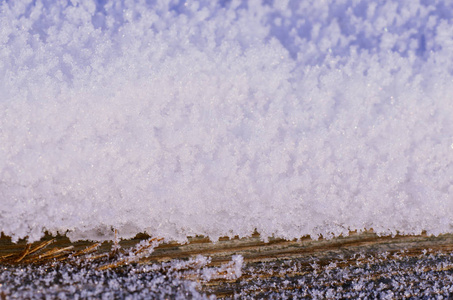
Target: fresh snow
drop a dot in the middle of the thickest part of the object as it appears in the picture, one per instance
(220, 118)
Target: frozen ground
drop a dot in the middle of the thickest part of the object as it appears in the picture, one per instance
(385, 276)
(381, 276)
(60, 281)
(221, 117)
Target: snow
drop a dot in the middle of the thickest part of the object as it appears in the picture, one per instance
(64, 281)
(220, 118)
(380, 275)
(83, 278)
(373, 276)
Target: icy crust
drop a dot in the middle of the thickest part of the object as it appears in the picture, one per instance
(181, 118)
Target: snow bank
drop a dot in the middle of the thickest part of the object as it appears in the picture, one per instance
(218, 118)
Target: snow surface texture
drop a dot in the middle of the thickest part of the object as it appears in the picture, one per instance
(218, 118)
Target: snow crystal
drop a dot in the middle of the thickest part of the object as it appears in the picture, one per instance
(219, 118)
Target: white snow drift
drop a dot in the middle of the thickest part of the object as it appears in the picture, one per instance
(218, 118)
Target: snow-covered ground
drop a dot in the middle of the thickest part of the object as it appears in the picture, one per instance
(385, 275)
(217, 118)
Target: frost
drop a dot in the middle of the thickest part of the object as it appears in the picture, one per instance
(220, 118)
(229, 271)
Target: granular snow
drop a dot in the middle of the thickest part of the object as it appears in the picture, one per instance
(181, 118)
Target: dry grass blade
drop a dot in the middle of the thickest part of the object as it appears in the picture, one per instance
(114, 265)
(61, 256)
(24, 256)
(113, 259)
(87, 250)
(41, 246)
(134, 256)
(99, 256)
(4, 257)
(149, 244)
(54, 251)
(119, 263)
(26, 251)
